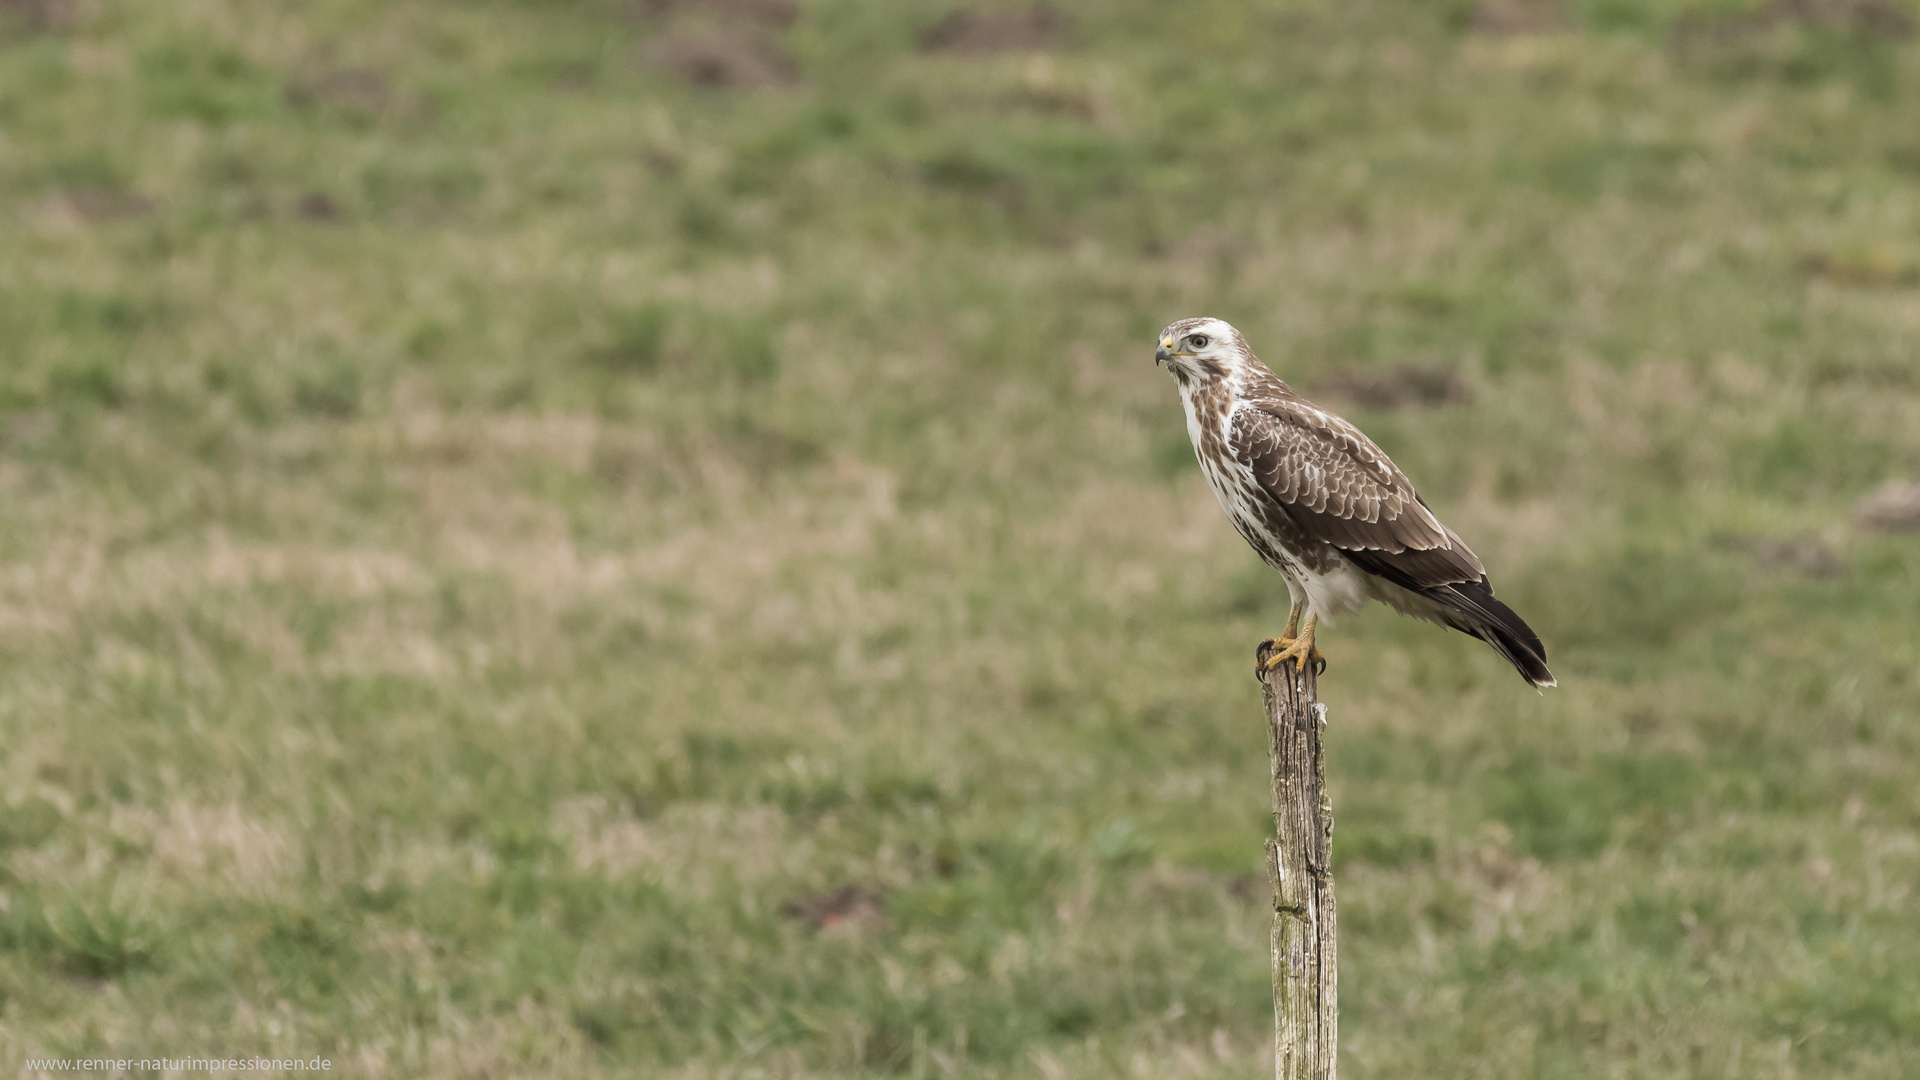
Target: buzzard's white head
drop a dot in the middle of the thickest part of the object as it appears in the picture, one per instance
(1202, 349)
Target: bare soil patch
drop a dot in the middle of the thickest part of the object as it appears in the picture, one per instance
(1408, 384)
(1892, 507)
(316, 206)
(1875, 266)
(847, 908)
(723, 59)
(1033, 30)
(102, 204)
(39, 14)
(1501, 18)
(1873, 18)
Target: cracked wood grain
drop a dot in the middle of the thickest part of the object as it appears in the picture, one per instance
(1305, 950)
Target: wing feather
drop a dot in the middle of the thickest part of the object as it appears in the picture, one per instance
(1342, 489)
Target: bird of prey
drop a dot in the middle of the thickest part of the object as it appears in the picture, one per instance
(1324, 506)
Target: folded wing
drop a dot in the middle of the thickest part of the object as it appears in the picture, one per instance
(1340, 488)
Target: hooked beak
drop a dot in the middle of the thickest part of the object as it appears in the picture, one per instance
(1163, 355)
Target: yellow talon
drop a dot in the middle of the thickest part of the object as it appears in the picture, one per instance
(1300, 649)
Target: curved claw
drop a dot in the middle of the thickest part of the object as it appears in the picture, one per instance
(1261, 657)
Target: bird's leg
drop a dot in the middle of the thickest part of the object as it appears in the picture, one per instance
(1298, 649)
(1285, 638)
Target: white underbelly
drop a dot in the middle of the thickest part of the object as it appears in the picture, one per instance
(1341, 591)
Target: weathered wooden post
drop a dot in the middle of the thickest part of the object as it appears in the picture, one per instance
(1305, 950)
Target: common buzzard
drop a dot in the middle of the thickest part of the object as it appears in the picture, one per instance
(1324, 506)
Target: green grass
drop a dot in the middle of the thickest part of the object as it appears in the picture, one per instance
(484, 527)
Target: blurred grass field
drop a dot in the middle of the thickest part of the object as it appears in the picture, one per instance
(513, 564)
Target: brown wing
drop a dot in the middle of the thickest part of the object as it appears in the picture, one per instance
(1341, 488)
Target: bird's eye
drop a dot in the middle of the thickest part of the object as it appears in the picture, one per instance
(1198, 341)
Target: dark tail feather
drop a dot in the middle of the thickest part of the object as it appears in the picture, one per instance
(1496, 624)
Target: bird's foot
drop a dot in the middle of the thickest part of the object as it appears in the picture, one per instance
(1274, 652)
